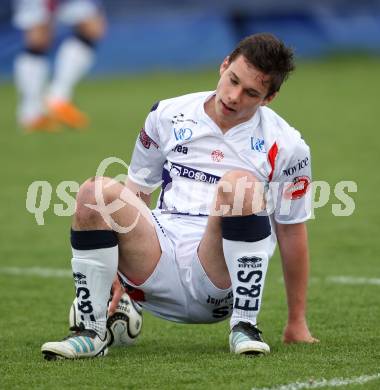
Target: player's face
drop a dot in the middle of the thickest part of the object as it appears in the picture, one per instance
(240, 91)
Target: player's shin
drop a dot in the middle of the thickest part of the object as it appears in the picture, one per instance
(31, 62)
(94, 265)
(245, 246)
(74, 59)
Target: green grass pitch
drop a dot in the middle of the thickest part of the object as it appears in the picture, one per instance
(335, 104)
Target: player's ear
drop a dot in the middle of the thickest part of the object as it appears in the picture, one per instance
(225, 64)
(268, 99)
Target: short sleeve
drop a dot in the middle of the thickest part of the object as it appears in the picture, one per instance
(147, 158)
(290, 186)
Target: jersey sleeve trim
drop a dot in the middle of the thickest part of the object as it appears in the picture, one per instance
(142, 184)
(294, 221)
(272, 154)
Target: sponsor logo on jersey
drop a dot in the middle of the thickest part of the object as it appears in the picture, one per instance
(193, 174)
(183, 134)
(297, 167)
(298, 188)
(181, 149)
(180, 118)
(217, 155)
(176, 170)
(258, 145)
(145, 140)
(250, 262)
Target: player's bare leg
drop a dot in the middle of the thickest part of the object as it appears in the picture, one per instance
(234, 251)
(139, 248)
(111, 230)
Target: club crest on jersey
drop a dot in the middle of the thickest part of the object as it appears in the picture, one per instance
(258, 145)
(217, 155)
(298, 188)
(182, 134)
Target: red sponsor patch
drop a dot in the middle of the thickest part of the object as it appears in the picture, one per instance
(298, 188)
(146, 140)
(217, 155)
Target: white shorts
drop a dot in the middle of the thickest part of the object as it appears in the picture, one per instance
(31, 13)
(179, 289)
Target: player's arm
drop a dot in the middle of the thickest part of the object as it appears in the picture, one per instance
(145, 170)
(293, 208)
(293, 245)
(142, 193)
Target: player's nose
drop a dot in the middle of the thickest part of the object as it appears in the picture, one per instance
(234, 95)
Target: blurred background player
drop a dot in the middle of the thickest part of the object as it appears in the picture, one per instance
(43, 106)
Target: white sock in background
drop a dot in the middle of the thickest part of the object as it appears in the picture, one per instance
(31, 72)
(73, 61)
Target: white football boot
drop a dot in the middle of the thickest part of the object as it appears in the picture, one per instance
(82, 343)
(245, 339)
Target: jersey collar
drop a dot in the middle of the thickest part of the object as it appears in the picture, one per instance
(250, 124)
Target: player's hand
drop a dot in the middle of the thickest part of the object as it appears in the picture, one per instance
(117, 292)
(298, 332)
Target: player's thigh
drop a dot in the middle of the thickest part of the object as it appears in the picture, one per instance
(103, 203)
(139, 251)
(210, 252)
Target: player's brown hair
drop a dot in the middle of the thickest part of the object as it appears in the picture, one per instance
(269, 55)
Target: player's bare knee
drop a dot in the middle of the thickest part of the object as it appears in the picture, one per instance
(239, 192)
(98, 190)
(39, 38)
(92, 29)
(92, 195)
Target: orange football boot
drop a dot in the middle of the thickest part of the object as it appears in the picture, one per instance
(43, 124)
(67, 114)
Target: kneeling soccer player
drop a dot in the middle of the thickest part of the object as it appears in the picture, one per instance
(202, 255)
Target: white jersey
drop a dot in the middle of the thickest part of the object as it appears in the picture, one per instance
(183, 150)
